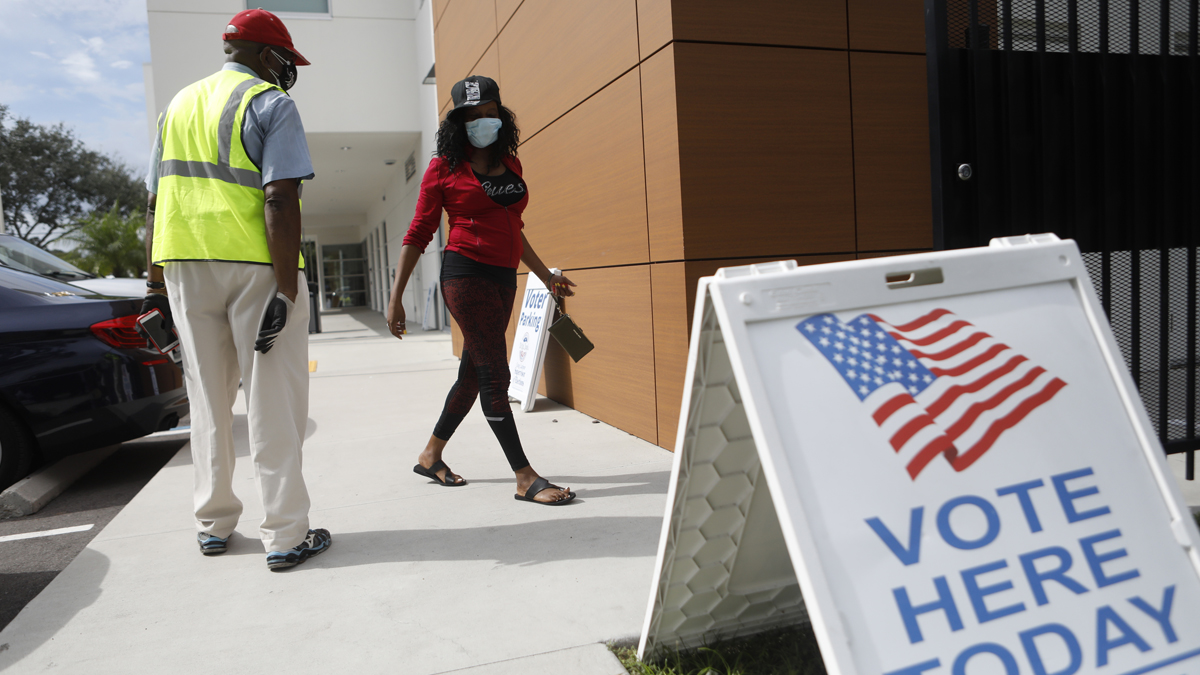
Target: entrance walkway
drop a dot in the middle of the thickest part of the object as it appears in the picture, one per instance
(421, 579)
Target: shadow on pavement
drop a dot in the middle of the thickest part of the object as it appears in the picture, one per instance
(518, 544)
(653, 483)
(23, 636)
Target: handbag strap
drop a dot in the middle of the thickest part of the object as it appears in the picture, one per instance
(557, 303)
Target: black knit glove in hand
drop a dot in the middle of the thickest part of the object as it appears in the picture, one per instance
(159, 301)
(274, 319)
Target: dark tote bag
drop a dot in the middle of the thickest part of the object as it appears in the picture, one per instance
(569, 334)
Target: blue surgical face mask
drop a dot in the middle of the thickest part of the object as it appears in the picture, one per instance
(483, 131)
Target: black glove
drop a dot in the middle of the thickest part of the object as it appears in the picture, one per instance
(159, 301)
(274, 319)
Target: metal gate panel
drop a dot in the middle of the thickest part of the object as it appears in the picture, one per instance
(1082, 118)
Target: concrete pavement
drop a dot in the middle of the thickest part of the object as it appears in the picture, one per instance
(421, 579)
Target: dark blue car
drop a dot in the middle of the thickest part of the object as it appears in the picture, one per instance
(75, 374)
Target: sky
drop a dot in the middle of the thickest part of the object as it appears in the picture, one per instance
(79, 62)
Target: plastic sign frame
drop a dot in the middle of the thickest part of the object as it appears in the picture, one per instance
(747, 543)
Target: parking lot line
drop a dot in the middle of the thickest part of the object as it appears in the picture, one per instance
(45, 533)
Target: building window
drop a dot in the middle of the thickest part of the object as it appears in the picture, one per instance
(301, 7)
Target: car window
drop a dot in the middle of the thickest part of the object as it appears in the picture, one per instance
(22, 255)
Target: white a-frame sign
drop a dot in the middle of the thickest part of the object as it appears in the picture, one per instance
(939, 459)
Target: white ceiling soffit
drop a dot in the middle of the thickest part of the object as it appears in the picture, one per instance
(352, 180)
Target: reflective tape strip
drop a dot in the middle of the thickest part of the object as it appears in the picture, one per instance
(228, 114)
(178, 167)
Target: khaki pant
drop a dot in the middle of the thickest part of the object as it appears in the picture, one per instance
(218, 309)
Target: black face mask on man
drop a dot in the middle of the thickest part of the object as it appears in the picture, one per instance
(287, 79)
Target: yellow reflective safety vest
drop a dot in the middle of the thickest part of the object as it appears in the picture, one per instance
(210, 195)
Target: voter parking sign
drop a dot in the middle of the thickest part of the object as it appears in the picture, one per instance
(940, 459)
(529, 342)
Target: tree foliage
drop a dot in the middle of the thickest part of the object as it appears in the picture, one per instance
(51, 183)
(110, 243)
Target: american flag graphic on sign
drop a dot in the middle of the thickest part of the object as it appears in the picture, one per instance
(936, 385)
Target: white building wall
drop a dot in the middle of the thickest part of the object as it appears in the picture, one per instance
(397, 210)
(350, 85)
(369, 59)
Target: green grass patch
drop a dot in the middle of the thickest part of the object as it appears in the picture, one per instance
(784, 651)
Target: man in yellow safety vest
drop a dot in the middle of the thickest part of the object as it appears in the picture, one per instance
(223, 245)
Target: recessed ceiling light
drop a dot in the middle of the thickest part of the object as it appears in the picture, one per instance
(389, 162)
(345, 147)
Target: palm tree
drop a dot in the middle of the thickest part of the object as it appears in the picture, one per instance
(111, 243)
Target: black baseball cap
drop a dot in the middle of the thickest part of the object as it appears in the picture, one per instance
(475, 90)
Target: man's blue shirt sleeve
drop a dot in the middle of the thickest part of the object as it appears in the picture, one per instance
(282, 151)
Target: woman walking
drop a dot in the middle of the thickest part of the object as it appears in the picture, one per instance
(475, 177)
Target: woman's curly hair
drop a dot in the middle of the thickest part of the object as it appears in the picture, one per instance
(452, 139)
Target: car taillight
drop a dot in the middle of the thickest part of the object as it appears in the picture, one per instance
(121, 333)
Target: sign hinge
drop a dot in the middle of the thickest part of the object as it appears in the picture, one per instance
(1180, 529)
(1024, 240)
(758, 270)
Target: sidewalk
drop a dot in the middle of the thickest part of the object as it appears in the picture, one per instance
(421, 579)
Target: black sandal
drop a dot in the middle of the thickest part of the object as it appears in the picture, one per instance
(431, 472)
(537, 487)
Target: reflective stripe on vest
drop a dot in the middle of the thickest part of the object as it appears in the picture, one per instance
(210, 197)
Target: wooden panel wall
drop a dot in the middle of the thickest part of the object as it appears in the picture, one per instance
(654, 25)
(799, 23)
(760, 156)
(669, 291)
(504, 11)
(460, 38)
(560, 53)
(660, 120)
(664, 139)
(587, 207)
(891, 128)
(887, 25)
(614, 383)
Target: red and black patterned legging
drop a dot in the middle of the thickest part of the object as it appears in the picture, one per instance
(482, 308)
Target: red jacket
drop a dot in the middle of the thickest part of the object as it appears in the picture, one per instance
(479, 228)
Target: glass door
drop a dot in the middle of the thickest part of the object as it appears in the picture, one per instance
(345, 275)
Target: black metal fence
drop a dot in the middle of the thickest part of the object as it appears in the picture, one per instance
(1082, 118)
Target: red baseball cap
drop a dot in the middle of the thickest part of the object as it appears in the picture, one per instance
(259, 25)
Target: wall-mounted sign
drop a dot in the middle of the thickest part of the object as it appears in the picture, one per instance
(940, 459)
(529, 343)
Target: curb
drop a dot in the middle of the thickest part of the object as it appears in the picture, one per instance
(33, 492)
(594, 659)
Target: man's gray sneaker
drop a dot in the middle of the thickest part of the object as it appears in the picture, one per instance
(210, 545)
(314, 544)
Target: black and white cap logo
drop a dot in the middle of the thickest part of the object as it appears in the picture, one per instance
(472, 91)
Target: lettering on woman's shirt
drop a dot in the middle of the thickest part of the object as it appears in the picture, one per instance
(506, 189)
